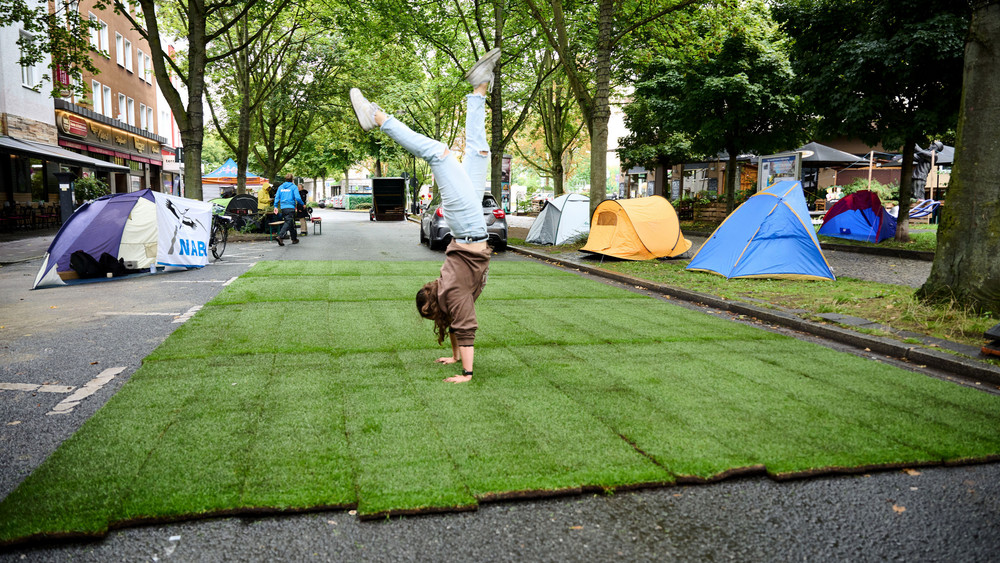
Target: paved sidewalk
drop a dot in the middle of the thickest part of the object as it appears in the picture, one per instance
(25, 245)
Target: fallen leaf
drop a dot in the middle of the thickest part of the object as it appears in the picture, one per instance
(678, 495)
(868, 349)
(94, 363)
(898, 509)
(912, 472)
(331, 522)
(968, 482)
(576, 527)
(14, 423)
(53, 307)
(353, 512)
(914, 489)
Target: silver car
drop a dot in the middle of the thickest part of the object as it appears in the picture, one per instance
(435, 232)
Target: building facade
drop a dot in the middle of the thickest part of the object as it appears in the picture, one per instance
(116, 120)
(30, 155)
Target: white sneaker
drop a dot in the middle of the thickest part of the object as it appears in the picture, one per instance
(364, 110)
(482, 71)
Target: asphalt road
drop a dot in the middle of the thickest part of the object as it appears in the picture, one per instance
(69, 336)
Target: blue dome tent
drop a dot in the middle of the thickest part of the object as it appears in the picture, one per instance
(769, 236)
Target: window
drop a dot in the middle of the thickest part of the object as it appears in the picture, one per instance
(96, 97)
(142, 116)
(149, 119)
(128, 55)
(119, 49)
(121, 107)
(95, 33)
(130, 112)
(140, 62)
(149, 69)
(107, 101)
(29, 74)
(103, 33)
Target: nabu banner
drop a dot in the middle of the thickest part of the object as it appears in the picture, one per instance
(183, 228)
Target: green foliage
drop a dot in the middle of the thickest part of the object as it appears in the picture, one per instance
(882, 71)
(578, 385)
(734, 95)
(62, 34)
(89, 188)
(885, 192)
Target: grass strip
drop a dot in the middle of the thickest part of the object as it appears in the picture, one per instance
(332, 400)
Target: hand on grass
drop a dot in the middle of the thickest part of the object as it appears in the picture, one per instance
(446, 360)
(458, 379)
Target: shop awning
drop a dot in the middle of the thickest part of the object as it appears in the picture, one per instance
(58, 154)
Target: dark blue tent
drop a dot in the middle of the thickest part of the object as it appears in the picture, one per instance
(769, 236)
(859, 216)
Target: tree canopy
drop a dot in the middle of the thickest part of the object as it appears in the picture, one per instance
(732, 96)
(884, 72)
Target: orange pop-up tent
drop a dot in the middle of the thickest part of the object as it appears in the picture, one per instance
(636, 229)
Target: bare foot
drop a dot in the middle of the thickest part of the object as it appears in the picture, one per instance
(458, 379)
(446, 360)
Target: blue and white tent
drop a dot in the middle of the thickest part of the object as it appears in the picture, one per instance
(769, 236)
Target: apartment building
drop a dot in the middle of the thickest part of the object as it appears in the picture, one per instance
(116, 120)
(30, 155)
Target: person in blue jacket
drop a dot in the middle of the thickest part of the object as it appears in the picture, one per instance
(286, 199)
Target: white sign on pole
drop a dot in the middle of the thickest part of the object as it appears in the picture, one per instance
(776, 167)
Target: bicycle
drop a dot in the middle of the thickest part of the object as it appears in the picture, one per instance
(220, 232)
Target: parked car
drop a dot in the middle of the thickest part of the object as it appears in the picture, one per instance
(435, 232)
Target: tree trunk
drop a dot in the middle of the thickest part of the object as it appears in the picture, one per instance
(731, 179)
(557, 178)
(965, 266)
(598, 124)
(193, 135)
(905, 184)
(497, 145)
(192, 164)
(243, 133)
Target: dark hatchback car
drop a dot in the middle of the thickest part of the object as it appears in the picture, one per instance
(435, 232)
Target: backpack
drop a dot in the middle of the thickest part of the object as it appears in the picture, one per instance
(115, 267)
(85, 265)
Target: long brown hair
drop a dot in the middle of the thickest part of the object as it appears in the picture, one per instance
(429, 308)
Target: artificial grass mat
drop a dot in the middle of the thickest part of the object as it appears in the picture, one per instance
(308, 385)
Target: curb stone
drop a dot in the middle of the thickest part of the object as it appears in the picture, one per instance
(956, 365)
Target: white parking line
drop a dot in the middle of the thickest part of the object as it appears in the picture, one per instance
(67, 405)
(43, 388)
(187, 314)
(136, 313)
(193, 281)
(231, 280)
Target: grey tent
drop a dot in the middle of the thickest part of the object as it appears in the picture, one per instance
(562, 220)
